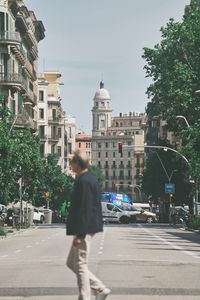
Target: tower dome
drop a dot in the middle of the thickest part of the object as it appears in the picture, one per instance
(102, 93)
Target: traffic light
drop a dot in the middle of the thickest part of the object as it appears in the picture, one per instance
(120, 148)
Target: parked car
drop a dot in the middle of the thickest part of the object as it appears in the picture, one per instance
(113, 213)
(140, 214)
(38, 216)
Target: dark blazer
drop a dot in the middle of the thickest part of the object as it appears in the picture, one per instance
(85, 215)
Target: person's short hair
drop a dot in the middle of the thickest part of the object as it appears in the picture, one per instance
(81, 159)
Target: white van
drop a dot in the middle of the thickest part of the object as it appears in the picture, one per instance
(113, 213)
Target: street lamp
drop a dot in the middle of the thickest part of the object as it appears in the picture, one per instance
(195, 198)
(184, 118)
(170, 177)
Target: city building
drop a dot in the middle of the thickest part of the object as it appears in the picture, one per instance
(69, 142)
(84, 143)
(117, 145)
(20, 33)
(51, 117)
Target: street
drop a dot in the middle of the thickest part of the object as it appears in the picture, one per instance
(137, 261)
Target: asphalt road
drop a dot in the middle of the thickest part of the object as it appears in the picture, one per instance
(138, 262)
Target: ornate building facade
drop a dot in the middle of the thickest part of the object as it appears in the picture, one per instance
(122, 169)
(20, 33)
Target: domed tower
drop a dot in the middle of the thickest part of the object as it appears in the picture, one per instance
(101, 111)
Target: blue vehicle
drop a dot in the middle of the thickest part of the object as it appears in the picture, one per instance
(115, 198)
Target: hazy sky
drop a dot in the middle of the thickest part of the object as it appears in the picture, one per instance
(90, 40)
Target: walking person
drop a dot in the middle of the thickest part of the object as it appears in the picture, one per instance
(83, 221)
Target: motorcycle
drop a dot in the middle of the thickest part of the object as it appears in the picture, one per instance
(182, 218)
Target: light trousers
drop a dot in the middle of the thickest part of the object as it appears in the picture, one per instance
(77, 261)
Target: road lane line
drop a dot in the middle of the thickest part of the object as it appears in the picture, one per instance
(169, 243)
(17, 251)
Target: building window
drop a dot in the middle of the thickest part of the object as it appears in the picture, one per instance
(106, 154)
(54, 114)
(129, 154)
(69, 148)
(41, 96)
(102, 122)
(106, 144)
(113, 154)
(79, 144)
(114, 164)
(53, 149)
(42, 131)
(41, 113)
(121, 174)
(99, 164)
(59, 151)
(99, 145)
(99, 154)
(59, 133)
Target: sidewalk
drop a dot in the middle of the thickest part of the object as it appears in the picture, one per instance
(14, 231)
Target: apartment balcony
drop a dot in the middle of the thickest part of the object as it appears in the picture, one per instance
(113, 166)
(106, 166)
(129, 177)
(9, 37)
(13, 79)
(121, 166)
(18, 82)
(23, 59)
(54, 120)
(43, 137)
(128, 166)
(23, 119)
(54, 138)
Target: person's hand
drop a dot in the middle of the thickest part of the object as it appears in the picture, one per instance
(77, 242)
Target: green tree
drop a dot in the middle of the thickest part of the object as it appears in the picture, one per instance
(98, 172)
(174, 67)
(54, 181)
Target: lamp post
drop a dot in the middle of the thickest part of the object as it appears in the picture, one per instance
(195, 197)
(184, 118)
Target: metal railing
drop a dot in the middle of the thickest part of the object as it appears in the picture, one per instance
(10, 36)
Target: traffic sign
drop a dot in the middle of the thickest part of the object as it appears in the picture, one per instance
(169, 188)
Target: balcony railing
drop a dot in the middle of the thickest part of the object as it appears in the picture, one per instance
(13, 78)
(7, 36)
(53, 137)
(53, 119)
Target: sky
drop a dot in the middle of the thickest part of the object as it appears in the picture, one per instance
(88, 41)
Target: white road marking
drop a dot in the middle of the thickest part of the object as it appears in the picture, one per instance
(17, 251)
(169, 243)
(28, 246)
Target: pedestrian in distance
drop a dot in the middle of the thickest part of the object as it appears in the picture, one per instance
(84, 220)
